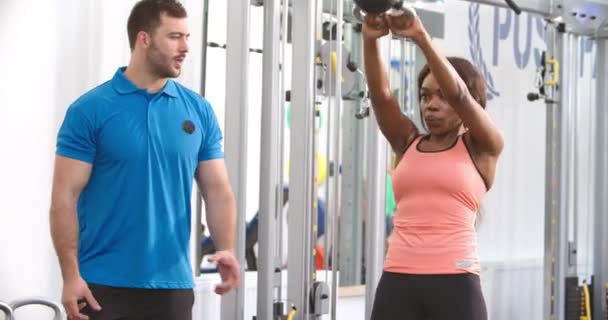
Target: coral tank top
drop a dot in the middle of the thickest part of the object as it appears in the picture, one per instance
(438, 195)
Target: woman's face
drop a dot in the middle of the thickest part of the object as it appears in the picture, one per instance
(437, 114)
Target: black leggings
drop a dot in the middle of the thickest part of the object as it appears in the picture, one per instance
(429, 297)
(140, 304)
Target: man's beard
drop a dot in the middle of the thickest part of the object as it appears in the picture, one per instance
(160, 64)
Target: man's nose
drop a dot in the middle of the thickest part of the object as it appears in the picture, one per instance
(184, 47)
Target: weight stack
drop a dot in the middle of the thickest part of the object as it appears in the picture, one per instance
(573, 299)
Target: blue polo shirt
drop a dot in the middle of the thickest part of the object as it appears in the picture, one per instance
(134, 212)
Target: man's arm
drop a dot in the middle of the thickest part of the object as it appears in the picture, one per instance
(212, 178)
(69, 179)
(220, 204)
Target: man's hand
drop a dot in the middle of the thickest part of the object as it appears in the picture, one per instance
(76, 295)
(229, 269)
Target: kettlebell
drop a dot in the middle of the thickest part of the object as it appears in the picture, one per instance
(377, 6)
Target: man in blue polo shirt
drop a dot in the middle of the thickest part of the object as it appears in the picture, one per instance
(127, 154)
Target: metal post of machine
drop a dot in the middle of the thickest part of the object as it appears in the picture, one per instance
(569, 78)
(198, 208)
(573, 144)
(271, 154)
(351, 167)
(403, 62)
(284, 36)
(235, 145)
(412, 109)
(600, 285)
(375, 215)
(555, 231)
(300, 262)
(569, 303)
(335, 160)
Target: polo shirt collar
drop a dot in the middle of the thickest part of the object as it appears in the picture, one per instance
(124, 86)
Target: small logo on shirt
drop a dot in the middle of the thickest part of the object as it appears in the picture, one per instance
(463, 264)
(188, 126)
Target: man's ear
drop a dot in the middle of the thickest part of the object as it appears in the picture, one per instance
(143, 38)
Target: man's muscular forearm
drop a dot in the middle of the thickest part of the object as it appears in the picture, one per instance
(64, 231)
(221, 218)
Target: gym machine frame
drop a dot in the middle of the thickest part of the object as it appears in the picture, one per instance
(559, 253)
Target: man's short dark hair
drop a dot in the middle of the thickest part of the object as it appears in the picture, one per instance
(145, 16)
